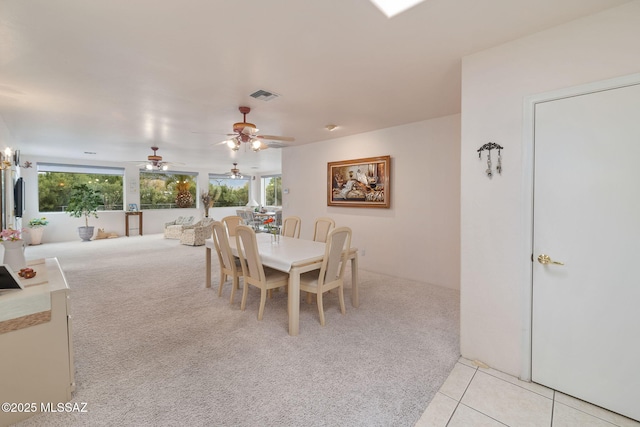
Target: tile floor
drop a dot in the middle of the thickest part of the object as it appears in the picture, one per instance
(477, 397)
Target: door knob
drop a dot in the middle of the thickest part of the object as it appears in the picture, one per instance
(546, 259)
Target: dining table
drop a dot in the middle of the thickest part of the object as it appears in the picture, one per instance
(293, 256)
(267, 214)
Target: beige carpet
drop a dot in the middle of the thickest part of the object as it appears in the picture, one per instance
(154, 347)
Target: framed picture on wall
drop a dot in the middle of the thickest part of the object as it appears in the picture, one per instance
(360, 183)
(133, 207)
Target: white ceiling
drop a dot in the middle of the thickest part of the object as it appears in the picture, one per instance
(115, 77)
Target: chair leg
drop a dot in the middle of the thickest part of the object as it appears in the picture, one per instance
(223, 278)
(320, 308)
(341, 298)
(263, 300)
(234, 285)
(245, 292)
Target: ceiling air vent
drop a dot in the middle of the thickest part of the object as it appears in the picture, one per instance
(264, 95)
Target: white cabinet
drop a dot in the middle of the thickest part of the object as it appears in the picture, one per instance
(36, 351)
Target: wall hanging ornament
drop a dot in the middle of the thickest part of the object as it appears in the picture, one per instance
(488, 147)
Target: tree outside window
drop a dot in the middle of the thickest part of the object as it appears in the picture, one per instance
(227, 192)
(163, 190)
(54, 187)
(272, 190)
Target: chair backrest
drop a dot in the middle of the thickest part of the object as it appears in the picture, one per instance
(336, 254)
(185, 220)
(221, 242)
(206, 221)
(247, 246)
(243, 214)
(322, 228)
(231, 222)
(291, 226)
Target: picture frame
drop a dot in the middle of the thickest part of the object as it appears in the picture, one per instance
(359, 183)
(133, 207)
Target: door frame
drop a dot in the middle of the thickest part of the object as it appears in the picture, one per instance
(528, 181)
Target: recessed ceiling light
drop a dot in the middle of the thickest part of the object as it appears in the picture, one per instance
(393, 7)
(331, 128)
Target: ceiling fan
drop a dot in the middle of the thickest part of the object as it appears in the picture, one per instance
(154, 162)
(248, 133)
(235, 172)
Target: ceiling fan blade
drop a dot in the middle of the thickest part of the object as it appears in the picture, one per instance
(276, 138)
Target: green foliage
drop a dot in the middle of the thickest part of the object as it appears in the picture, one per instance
(224, 196)
(38, 222)
(215, 192)
(83, 201)
(273, 192)
(160, 190)
(54, 189)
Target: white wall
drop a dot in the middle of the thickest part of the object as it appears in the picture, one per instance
(418, 237)
(63, 227)
(494, 220)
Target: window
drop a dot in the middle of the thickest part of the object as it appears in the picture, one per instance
(55, 182)
(167, 190)
(226, 191)
(272, 190)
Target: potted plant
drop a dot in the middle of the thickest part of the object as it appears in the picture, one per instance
(205, 198)
(84, 202)
(36, 226)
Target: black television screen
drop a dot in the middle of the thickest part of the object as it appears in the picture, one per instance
(18, 197)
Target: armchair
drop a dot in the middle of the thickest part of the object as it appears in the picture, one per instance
(196, 234)
(173, 229)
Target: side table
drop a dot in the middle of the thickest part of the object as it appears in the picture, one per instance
(126, 221)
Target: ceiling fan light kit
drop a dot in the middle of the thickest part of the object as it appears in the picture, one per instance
(245, 132)
(155, 162)
(235, 172)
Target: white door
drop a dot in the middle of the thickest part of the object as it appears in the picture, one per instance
(586, 313)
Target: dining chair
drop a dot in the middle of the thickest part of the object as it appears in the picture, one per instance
(291, 226)
(278, 219)
(322, 228)
(254, 221)
(253, 272)
(231, 222)
(331, 273)
(229, 265)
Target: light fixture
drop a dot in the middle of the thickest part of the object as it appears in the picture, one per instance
(245, 132)
(393, 7)
(155, 162)
(6, 159)
(234, 144)
(331, 128)
(253, 204)
(235, 172)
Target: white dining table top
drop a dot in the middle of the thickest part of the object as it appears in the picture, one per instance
(286, 252)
